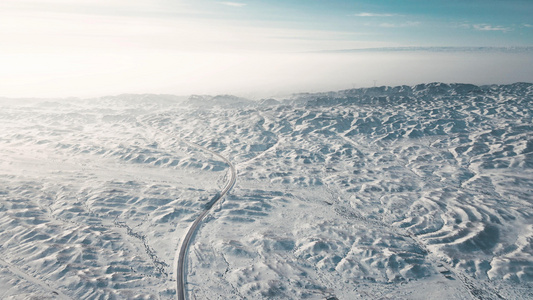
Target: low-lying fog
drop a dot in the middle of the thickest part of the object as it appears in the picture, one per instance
(252, 74)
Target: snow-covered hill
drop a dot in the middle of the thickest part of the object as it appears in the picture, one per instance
(409, 192)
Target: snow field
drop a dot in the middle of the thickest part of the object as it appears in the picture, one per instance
(390, 192)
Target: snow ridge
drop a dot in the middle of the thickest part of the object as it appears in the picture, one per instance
(407, 192)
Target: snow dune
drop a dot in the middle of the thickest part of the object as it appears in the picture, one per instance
(408, 192)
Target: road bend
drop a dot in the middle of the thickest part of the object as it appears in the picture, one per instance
(182, 254)
(186, 241)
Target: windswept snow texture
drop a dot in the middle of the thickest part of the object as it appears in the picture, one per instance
(408, 192)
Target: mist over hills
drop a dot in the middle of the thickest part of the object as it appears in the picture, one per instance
(383, 95)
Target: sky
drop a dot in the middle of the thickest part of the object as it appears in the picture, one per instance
(255, 48)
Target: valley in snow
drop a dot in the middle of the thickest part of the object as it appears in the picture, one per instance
(408, 192)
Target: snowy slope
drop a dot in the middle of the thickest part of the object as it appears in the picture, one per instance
(409, 192)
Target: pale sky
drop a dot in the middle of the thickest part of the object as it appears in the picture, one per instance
(254, 48)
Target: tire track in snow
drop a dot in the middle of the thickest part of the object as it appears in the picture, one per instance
(54, 292)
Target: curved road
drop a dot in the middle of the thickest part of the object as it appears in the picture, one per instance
(182, 255)
(186, 241)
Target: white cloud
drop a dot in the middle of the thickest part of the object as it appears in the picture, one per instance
(367, 14)
(488, 27)
(484, 27)
(461, 25)
(527, 25)
(398, 25)
(234, 4)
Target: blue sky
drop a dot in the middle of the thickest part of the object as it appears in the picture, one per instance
(289, 25)
(181, 46)
(406, 23)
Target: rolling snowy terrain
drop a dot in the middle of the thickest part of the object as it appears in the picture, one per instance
(408, 192)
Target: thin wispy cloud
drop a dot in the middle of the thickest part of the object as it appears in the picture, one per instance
(233, 4)
(368, 14)
(488, 27)
(485, 27)
(399, 25)
(462, 25)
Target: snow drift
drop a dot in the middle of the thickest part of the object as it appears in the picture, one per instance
(410, 192)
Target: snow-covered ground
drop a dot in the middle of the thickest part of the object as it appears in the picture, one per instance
(409, 192)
